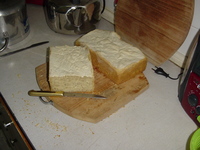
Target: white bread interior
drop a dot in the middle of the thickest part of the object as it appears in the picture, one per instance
(70, 69)
(115, 58)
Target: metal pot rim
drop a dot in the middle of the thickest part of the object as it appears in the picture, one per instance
(8, 7)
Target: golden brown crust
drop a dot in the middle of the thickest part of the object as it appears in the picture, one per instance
(117, 76)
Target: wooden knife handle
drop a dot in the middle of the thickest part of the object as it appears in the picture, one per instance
(44, 93)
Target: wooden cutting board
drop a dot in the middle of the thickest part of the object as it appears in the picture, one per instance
(157, 27)
(95, 110)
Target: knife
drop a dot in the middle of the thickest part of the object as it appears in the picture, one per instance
(22, 49)
(63, 94)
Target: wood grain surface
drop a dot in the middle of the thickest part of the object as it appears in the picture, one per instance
(157, 27)
(95, 110)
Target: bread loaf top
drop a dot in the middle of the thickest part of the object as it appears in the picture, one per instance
(70, 61)
(110, 46)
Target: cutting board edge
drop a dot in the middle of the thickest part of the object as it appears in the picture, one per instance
(104, 116)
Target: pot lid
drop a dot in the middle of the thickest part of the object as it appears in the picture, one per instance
(8, 7)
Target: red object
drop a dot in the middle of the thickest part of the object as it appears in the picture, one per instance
(37, 2)
(115, 2)
(191, 98)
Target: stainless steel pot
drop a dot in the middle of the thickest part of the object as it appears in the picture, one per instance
(14, 26)
(72, 16)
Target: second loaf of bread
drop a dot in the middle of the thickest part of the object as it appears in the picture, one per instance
(118, 60)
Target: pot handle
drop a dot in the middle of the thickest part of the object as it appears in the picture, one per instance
(76, 15)
(6, 38)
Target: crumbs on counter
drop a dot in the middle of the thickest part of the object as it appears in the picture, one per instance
(91, 131)
(13, 95)
(36, 124)
(56, 136)
(19, 75)
(51, 125)
(56, 126)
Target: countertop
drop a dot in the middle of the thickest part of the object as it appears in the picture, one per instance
(155, 120)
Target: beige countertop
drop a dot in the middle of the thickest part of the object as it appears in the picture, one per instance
(154, 120)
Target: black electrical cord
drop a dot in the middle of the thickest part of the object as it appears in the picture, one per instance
(160, 71)
(104, 5)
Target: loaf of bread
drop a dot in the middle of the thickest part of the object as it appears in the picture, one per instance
(118, 60)
(70, 69)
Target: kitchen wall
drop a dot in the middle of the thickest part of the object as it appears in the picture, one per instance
(109, 11)
(179, 56)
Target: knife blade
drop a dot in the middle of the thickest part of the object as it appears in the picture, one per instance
(22, 49)
(63, 94)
